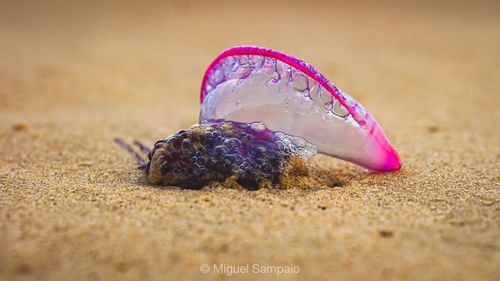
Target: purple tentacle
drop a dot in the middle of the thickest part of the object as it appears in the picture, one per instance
(142, 163)
(142, 147)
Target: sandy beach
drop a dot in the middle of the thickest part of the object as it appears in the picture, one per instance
(74, 207)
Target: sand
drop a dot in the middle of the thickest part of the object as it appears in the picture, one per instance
(73, 207)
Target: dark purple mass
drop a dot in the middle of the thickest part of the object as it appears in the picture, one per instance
(219, 149)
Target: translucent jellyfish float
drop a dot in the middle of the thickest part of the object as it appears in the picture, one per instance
(260, 108)
(253, 84)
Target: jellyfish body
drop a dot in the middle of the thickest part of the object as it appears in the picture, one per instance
(252, 84)
(260, 109)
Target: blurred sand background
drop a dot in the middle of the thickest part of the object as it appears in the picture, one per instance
(74, 76)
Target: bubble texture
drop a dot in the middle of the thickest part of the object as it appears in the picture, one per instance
(218, 149)
(240, 63)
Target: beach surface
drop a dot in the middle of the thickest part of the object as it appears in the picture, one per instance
(74, 207)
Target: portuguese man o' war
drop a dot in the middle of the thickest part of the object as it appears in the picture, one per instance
(296, 110)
